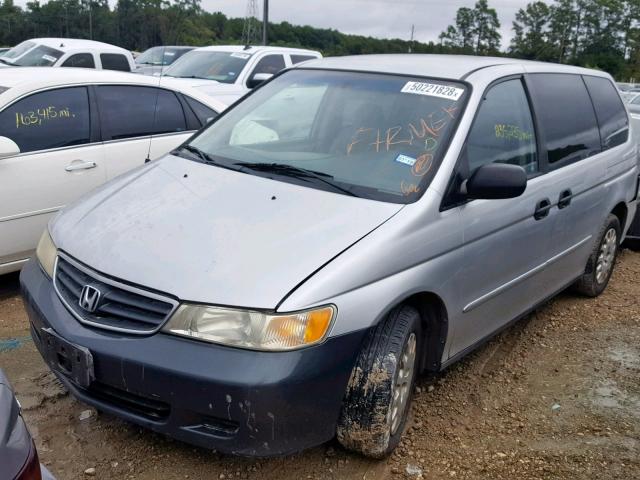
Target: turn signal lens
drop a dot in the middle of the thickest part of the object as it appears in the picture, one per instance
(46, 253)
(250, 329)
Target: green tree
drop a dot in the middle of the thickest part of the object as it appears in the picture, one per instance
(531, 32)
(475, 31)
(486, 29)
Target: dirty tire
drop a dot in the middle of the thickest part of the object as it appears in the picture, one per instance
(589, 284)
(364, 425)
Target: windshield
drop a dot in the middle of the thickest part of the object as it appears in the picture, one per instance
(222, 67)
(40, 56)
(18, 50)
(160, 56)
(370, 135)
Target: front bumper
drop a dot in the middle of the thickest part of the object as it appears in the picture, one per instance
(231, 400)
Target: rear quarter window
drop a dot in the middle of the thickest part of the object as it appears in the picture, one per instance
(566, 117)
(115, 61)
(611, 114)
(301, 58)
(201, 111)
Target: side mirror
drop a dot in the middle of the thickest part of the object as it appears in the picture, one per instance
(258, 78)
(495, 181)
(8, 147)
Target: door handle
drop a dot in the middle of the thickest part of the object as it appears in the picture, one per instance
(74, 166)
(565, 199)
(542, 209)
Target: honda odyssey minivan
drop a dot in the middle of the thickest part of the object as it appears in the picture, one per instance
(284, 275)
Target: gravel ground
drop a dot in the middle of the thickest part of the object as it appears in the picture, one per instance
(557, 396)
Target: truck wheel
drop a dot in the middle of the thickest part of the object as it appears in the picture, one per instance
(602, 260)
(378, 397)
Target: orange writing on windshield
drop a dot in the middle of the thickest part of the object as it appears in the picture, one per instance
(408, 188)
(422, 165)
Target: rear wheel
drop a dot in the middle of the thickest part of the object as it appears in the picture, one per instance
(602, 260)
(379, 393)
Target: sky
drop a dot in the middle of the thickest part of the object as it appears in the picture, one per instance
(376, 18)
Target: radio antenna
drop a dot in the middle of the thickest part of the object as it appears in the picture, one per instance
(155, 109)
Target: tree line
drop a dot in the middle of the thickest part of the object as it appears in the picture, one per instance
(602, 34)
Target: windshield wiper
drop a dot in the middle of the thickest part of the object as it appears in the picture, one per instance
(204, 157)
(295, 172)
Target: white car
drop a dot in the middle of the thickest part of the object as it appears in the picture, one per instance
(63, 132)
(68, 52)
(227, 72)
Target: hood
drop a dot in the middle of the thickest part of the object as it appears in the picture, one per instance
(225, 92)
(211, 235)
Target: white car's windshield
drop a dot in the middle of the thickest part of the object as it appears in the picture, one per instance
(18, 50)
(41, 56)
(222, 67)
(369, 135)
(161, 56)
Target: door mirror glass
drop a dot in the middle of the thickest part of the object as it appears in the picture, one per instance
(8, 147)
(495, 181)
(259, 78)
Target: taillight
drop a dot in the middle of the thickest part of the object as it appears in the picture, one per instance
(31, 468)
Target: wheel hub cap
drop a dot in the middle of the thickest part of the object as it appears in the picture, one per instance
(607, 255)
(402, 385)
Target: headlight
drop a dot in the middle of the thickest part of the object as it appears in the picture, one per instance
(251, 329)
(46, 253)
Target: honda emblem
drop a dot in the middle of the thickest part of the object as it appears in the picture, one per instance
(89, 298)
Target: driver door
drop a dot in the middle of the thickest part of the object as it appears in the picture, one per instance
(505, 241)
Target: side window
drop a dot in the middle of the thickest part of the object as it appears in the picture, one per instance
(51, 119)
(612, 117)
(636, 101)
(503, 131)
(80, 60)
(127, 112)
(566, 116)
(114, 61)
(271, 64)
(301, 58)
(204, 113)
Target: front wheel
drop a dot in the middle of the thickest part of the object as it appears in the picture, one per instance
(380, 389)
(602, 260)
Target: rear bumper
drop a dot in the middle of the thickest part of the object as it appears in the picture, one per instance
(232, 400)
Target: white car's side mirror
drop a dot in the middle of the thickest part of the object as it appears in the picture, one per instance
(8, 147)
(259, 78)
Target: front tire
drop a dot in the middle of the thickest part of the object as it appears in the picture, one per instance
(378, 397)
(602, 260)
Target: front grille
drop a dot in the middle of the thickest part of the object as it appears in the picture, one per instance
(120, 307)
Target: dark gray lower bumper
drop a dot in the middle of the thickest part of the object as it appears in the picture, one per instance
(232, 400)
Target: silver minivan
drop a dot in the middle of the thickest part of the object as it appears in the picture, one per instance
(282, 277)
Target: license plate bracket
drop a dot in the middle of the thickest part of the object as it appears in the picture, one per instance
(73, 361)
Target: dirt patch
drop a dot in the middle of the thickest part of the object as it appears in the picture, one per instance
(555, 397)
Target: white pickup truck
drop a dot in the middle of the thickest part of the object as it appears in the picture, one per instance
(227, 72)
(68, 52)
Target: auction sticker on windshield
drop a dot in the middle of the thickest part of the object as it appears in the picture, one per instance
(433, 90)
